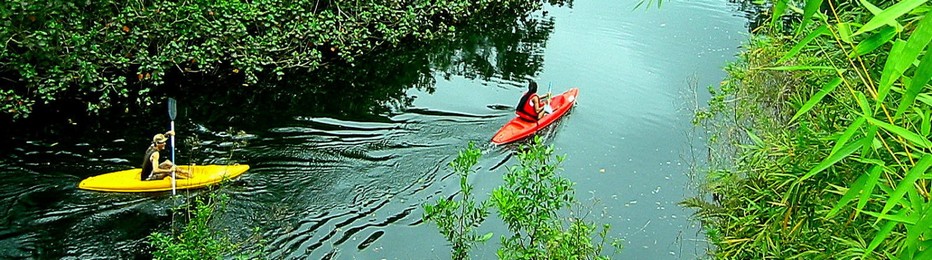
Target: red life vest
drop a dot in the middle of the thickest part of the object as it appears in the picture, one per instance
(526, 109)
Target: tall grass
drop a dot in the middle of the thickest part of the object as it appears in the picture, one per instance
(831, 127)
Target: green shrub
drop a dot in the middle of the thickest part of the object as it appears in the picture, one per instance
(530, 203)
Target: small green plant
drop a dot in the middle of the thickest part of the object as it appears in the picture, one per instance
(196, 240)
(457, 220)
(530, 202)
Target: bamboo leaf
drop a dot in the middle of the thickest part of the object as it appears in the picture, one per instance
(890, 14)
(921, 77)
(914, 231)
(889, 74)
(844, 32)
(871, 7)
(907, 183)
(812, 6)
(881, 235)
(801, 67)
(902, 132)
(853, 191)
(872, 179)
(827, 88)
(876, 40)
(901, 217)
(779, 7)
(876, 10)
(843, 139)
(834, 158)
(926, 125)
(869, 144)
(865, 106)
(802, 44)
(485, 237)
(913, 203)
(757, 141)
(924, 71)
(901, 57)
(925, 254)
(925, 98)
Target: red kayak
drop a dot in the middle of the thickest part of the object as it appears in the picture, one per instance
(518, 128)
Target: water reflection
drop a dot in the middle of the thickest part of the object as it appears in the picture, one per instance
(505, 47)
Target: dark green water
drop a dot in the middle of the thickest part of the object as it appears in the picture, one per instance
(342, 173)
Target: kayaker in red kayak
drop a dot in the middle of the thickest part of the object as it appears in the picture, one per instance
(532, 107)
(151, 170)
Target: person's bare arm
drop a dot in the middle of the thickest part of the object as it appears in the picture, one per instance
(155, 164)
(536, 101)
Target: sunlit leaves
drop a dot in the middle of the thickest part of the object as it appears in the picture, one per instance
(881, 37)
(890, 14)
(899, 131)
(907, 183)
(901, 57)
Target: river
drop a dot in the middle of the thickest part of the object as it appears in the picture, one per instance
(343, 173)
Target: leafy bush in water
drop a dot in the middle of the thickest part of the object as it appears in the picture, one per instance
(101, 52)
(196, 240)
(530, 203)
(458, 219)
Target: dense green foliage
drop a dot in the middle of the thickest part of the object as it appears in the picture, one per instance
(99, 53)
(821, 144)
(530, 203)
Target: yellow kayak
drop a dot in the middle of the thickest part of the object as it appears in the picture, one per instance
(128, 180)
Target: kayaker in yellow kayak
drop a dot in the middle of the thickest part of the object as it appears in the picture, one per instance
(151, 169)
(532, 107)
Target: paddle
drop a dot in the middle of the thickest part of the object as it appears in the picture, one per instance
(171, 115)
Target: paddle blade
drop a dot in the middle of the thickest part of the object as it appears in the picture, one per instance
(171, 109)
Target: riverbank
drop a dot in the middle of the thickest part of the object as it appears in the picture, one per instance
(819, 144)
